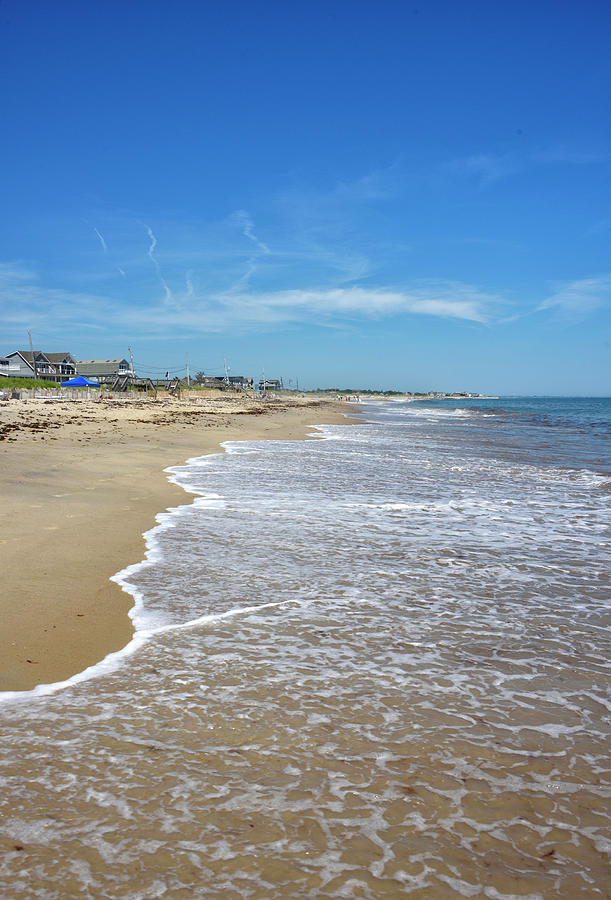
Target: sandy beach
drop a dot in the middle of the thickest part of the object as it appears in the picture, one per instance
(81, 482)
(373, 665)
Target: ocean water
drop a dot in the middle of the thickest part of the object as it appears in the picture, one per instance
(374, 664)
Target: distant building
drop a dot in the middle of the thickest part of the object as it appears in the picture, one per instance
(270, 384)
(211, 381)
(63, 363)
(17, 365)
(240, 381)
(47, 366)
(103, 369)
(220, 381)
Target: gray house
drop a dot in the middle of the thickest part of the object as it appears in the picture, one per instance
(63, 363)
(103, 369)
(48, 366)
(236, 381)
(221, 381)
(240, 381)
(17, 364)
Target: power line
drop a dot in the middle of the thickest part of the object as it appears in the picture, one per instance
(163, 369)
(181, 367)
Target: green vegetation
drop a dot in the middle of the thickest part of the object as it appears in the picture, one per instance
(12, 383)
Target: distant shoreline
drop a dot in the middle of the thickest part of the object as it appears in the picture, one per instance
(454, 397)
(414, 398)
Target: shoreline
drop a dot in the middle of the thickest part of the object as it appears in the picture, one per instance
(82, 482)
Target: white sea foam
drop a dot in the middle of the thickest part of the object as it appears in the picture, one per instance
(389, 632)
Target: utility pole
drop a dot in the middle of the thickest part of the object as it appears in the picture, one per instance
(188, 375)
(226, 371)
(297, 382)
(32, 352)
(131, 361)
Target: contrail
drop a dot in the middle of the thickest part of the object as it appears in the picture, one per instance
(151, 254)
(189, 283)
(151, 249)
(248, 231)
(102, 241)
(168, 292)
(245, 278)
(119, 269)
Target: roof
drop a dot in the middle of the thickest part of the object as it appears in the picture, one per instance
(99, 366)
(27, 354)
(24, 354)
(52, 358)
(59, 357)
(91, 362)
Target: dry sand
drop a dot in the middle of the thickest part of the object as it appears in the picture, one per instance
(81, 481)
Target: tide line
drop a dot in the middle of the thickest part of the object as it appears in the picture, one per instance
(114, 660)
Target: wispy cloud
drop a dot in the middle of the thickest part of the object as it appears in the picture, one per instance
(16, 273)
(485, 168)
(25, 302)
(379, 184)
(580, 297)
(447, 300)
(23, 299)
(571, 155)
(600, 227)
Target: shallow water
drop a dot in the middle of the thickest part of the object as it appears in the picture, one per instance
(371, 665)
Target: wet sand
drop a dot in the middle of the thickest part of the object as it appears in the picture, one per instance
(81, 482)
(428, 721)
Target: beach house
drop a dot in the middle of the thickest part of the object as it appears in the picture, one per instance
(16, 366)
(63, 363)
(270, 384)
(236, 381)
(241, 381)
(103, 370)
(30, 364)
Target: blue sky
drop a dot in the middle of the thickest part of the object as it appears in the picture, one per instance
(408, 195)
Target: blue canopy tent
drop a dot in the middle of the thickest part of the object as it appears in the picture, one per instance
(80, 381)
